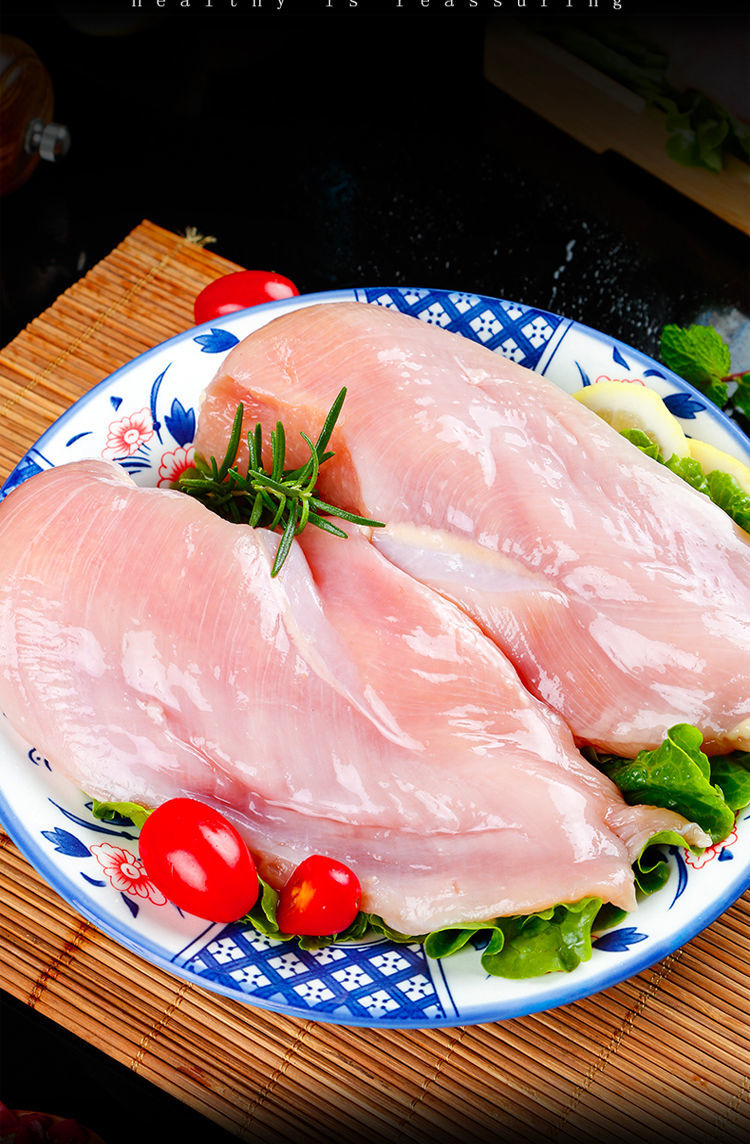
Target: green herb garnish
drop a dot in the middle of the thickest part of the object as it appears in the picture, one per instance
(700, 355)
(719, 487)
(117, 811)
(279, 498)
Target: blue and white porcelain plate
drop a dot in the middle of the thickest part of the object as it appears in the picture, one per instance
(144, 417)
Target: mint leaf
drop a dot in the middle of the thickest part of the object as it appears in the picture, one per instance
(741, 398)
(700, 355)
(111, 811)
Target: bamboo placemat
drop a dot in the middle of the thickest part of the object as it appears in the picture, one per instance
(662, 1057)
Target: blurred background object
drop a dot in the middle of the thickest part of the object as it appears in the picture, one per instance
(669, 95)
(26, 110)
(18, 1126)
(309, 163)
(705, 54)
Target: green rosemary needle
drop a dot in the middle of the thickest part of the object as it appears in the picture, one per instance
(279, 498)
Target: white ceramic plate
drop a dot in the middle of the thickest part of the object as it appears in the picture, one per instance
(144, 417)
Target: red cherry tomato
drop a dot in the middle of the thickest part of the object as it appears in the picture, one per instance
(322, 897)
(198, 860)
(239, 290)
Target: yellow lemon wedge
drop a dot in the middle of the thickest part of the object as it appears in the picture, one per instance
(710, 458)
(627, 405)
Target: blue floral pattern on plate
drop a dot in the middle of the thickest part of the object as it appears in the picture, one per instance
(144, 417)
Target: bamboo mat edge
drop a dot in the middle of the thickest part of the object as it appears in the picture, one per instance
(567, 1074)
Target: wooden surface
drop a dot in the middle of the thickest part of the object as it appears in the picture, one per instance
(605, 116)
(662, 1057)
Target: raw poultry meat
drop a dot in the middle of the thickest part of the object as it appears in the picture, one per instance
(341, 708)
(620, 594)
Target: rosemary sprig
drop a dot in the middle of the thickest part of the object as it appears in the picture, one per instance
(279, 498)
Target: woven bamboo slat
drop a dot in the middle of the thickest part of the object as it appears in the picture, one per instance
(663, 1057)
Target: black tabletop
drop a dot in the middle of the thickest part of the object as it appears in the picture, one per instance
(339, 149)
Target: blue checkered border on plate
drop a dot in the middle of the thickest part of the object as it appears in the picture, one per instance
(521, 333)
(377, 979)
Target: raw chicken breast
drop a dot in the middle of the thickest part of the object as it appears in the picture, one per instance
(620, 594)
(340, 708)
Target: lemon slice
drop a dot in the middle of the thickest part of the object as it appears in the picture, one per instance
(710, 458)
(626, 405)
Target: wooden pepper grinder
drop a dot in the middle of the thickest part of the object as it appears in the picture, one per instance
(26, 104)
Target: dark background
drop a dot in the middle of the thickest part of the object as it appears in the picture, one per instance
(340, 148)
(346, 148)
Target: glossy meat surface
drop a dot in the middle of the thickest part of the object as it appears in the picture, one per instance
(340, 708)
(620, 594)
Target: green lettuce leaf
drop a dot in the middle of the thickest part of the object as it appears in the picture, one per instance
(643, 442)
(727, 494)
(651, 869)
(689, 470)
(263, 914)
(731, 773)
(111, 811)
(558, 938)
(551, 941)
(677, 775)
(263, 917)
(721, 488)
